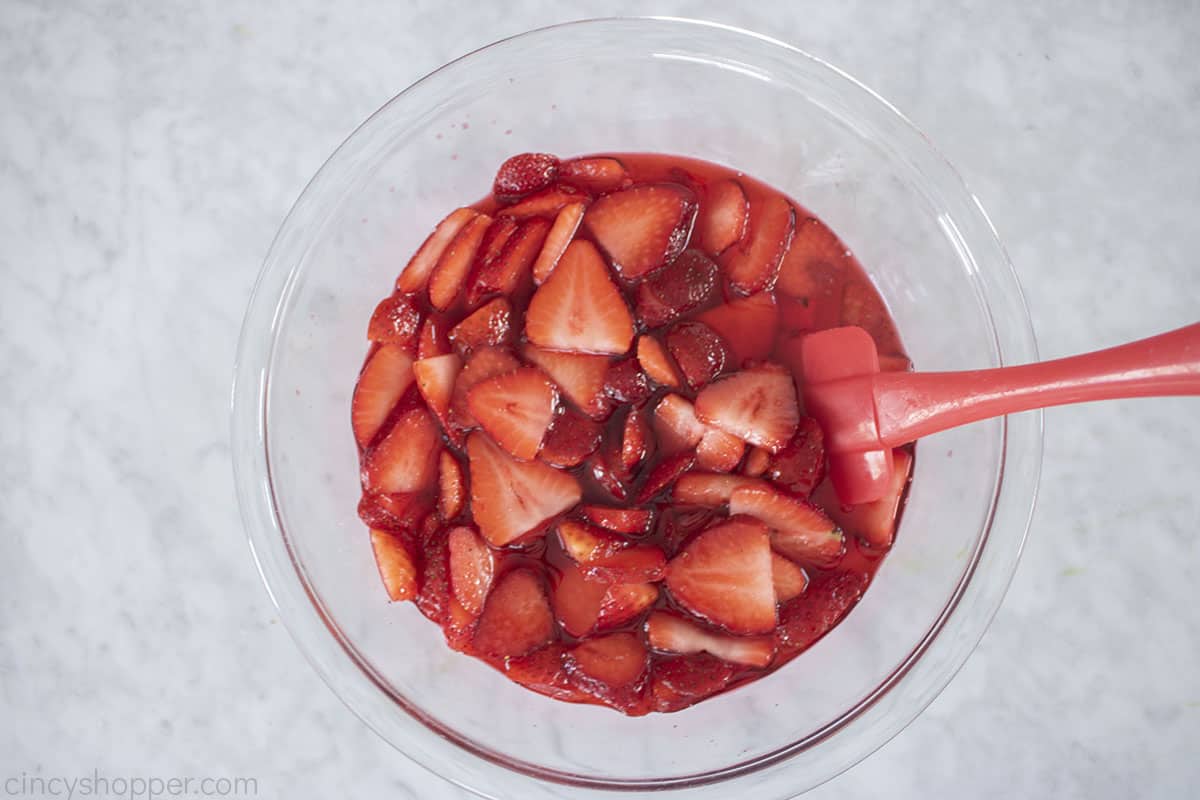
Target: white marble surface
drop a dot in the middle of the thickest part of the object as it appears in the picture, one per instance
(147, 153)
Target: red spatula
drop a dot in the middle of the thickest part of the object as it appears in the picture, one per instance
(864, 413)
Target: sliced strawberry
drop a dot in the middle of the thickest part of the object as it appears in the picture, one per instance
(406, 459)
(557, 238)
(685, 680)
(634, 564)
(663, 476)
(452, 493)
(788, 578)
(719, 451)
(511, 498)
(757, 405)
(435, 597)
(642, 228)
(723, 214)
(625, 382)
(579, 376)
(516, 409)
(623, 602)
(676, 425)
(597, 175)
(753, 265)
(757, 461)
(579, 308)
(543, 672)
(459, 625)
(524, 174)
(800, 465)
(498, 234)
(488, 326)
(383, 381)
(682, 286)
(707, 489)
(396, 513)
(636, 441)
(449, 276)
(654, 361)
(875, 522)
(516, 618)
(805, 619)
(813, 247)
(471, 568)
(629, 521)
(396, 320)
(416, 274)
(570, 440)
(669, 633)
(724, 576)
(577, 600)
(605, 469)
(435, 380)
(509, 273)
(396, 565)
(433, 340)
(585, 544)
(799, 530)
(700, 353)
(611, 668)
(748, 325)
(546, 203)
(484, 363)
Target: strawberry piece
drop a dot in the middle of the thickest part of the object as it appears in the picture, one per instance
(800, 465)
(509, 273)
(585, 544)
(433, 340)
(676, 425)
(383, 381)
(719, 451)
(511, 498)
(625, 382)
(799, 530)
(682, 286)
(596, 175)
(624, 602)
(634, 564)
(416, 274)
(516, 618)
(757, 462)
(452, 494)
(471, 568)
(543, 672)
(636, 441)
(488, 326)
(642, 228)
(686, 680)
(748, 325)
(406, 459)
(546, 203)
(876, 521)
(579, 308)
(607, 473)
(753, 265)
(577, 600)
(448, 277)
(757, 405)
(723, 214)
(524, 174)
(669, 633)
(654, 361)
(435, 598)
(570, 440)
(458, 626)
(396, 565)
(680, 522)
(498, 234)
(699, 352)
(814, 248)
(805, 619)
(663, 476)
(396, 513)
(484, 363)
(629, 521)
(724, 576)
(436, 378)
(712, 491)
(516, 409)
(579, 376)
(396, 320)
(557, 238)
(611, 668)
(788, 578)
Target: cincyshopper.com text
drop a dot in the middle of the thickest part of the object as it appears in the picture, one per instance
(133, 788)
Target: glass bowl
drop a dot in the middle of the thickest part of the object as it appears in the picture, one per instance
(674, 86)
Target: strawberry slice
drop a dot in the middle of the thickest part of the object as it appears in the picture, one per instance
(585, 544)
(636, 441)
(723, 214)
(629, 521)
(396, 320)
(719, 451)
(753, 265)
(516, 409)
(625, 382)
(679, 522)
(570, 440)
(577, 600)
(448, 277)
(434, 599)
(509, 273)
(397, 513)
(396, 565)
(488, 326)
(634, 564)
(543, 672)
(654, 361)
(724, 576)
(606, 471)
(416, 273)
(697, 349)
(383, 381)
(757, 462)
(484, 363)
(682, 286)
(579, 308)
(748, 325)
(642, 228)
(757, 405)
(788, 578)
(435, 381)
(712, 491)
(557, 238)
(597, 175)
(875, 522)
(459, 625)
(813, 247)
(471, 568)
(683, 681)
(799, 530)
(433, 340)
(516, 618)
(511, 498)
(524, 174)
(624, 602)
(807, 618)
(406, 459)
(498, 234)
(800, 465)
(663, 476)
(611, 668)
(669, 633)
(452, 494)
(579, 376)
(546, 203)
(676, 426)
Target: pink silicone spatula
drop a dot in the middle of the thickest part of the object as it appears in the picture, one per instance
(864, 413)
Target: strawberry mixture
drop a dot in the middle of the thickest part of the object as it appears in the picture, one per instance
(583, 452)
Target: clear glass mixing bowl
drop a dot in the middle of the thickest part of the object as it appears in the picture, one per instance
(673, 86)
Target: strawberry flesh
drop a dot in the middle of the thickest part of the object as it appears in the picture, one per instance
(579, 308)
(488, 326)
(799, 529)
(396, 565)
(396, 320)
(516, 409)
(698, 350)
(524, 174)
(571, 439)
(516, 618)
(642, 228)
(687, 283)
(800, 465)
(724, 576)
(596, 175)
(722, 220)
(471, 568)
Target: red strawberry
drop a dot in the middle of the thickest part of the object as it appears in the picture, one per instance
(570, 440)
(585, 543)
(449, 276)
(510, 498)
(669, 633)
(787, 577)
(543, 672)
(579, 308)
(498, 234)
(636, 441)
(629, 521)
(685, 680)
(664, 475)
(747, 325)
(383, 381)
(396, 320)
(546, 203)
(699, 352)
(607, 473)
(459, 625)
(682, 286)
(800, 465)
(434, 598)
(813, 247)
(516, 409)
(484, 363)
(406, 459)
(799, 530)
(611, 668)
(635, 564)
(757, 462)
(433, 340)
(397, 513)
(875, 522)
(805, 619)
(416, 273)
(396, 565)
(722, 219)
(524, 174)
(706, 489)
(598, 175)
(516, 618)
(624, 602)
(753, 265)
(625, 382)
(509, 273)
(719, 451)
(724, 576)
(471, 568)
(488, 326)
(452, 495)
(757, 405)
(580, 377)
(676, 426)
(642, 228)
(577, 600)
(557, 239)
(654, 361)
(435, 380)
